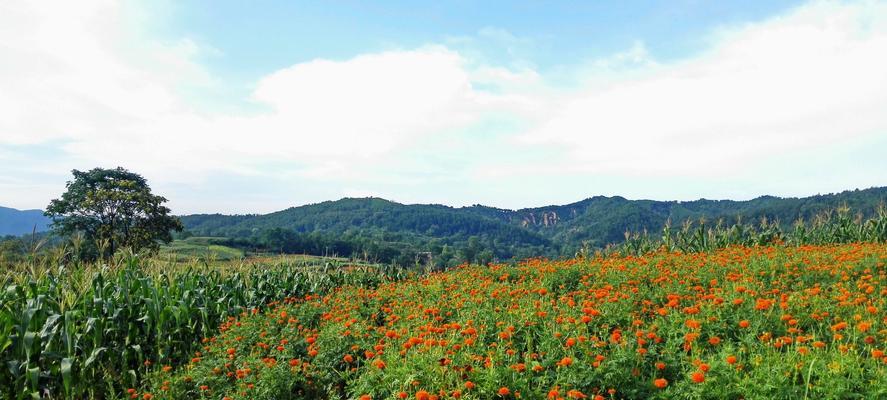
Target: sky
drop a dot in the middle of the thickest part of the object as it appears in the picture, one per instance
(253, 107)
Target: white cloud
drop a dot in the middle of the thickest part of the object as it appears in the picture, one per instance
(71, 68)
(79, 76)
(802, 81)
(370, 104)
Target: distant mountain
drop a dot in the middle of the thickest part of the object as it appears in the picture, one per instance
(19, 222)
(551, 230)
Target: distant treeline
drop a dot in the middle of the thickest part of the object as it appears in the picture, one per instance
(15, 249)
(384, 231)
(382, 247)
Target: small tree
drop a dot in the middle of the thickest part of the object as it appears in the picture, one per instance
(113, 208)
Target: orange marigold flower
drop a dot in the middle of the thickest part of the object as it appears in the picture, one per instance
(698, 377)
(660, 383)
(763, 304)
(503, 391)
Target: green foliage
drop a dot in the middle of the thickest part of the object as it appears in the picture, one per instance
(12, 250)
(207, 248)
(65, 325)
(389, 232)
(839, 226)
(89, 331)
(112, 208)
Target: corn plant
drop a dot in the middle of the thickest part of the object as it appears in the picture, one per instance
(92, 331)
(834, 227)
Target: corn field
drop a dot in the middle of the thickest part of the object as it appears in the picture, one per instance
(88, 331)
(838, 226)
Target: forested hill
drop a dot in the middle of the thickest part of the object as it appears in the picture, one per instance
(19, 222)
(374, 226)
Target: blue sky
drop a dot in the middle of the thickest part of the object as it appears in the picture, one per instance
(254, 40)
(269, 35)
(233, 107)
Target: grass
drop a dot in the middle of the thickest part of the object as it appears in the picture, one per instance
(213, 251)
(206, 248)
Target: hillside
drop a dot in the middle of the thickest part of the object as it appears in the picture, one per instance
(20, 222)
(374, 226)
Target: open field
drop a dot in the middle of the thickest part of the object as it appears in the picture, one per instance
(213, 251)
(199, 247)
(763, 322)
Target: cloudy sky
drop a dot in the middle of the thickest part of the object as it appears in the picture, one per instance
(235, 107)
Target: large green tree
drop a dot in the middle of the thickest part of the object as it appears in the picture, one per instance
(113, 208)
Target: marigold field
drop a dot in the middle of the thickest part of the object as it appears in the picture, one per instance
(753, 323)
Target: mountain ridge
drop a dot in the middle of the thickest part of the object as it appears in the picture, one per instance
(387, 229)
(549, 230)
(19, 222)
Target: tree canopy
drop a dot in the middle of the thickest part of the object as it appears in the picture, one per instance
(112, 209)
(386, 231)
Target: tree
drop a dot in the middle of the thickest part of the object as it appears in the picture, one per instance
(113, 208)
